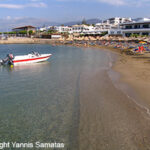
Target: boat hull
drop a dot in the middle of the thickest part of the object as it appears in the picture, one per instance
(26, 59)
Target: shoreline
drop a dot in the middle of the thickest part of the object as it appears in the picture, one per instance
(133, 71)
(55, 43)
(130, 69)
(109, 119)
(114, 120)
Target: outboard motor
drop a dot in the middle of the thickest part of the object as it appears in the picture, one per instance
(10, 59)
(4, 61)
(7, 60)
(1, 62)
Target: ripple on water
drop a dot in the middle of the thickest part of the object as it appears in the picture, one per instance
(40, 102)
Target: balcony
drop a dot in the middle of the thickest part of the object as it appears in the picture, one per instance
(137, 30)
(136, 27)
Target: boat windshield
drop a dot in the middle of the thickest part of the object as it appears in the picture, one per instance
(35, 53)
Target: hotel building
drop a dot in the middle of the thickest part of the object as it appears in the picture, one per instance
(140, 27)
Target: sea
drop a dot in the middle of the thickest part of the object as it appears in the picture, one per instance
(41, 102)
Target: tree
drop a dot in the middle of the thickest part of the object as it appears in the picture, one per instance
(12, 32)
(52, 31)
(5, 32)
(84, 21)
(65, 34)
(104, 33)
(134, 35)
(30, 32)
(23, 32)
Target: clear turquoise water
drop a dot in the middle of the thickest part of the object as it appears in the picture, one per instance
(40, 102)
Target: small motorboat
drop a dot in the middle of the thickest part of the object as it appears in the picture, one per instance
(34, 57)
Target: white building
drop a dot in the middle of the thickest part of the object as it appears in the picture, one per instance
(85, 29)
(56, 36)
(62, 29)
(117, 20)
(42, 29)
(80, 28)
(115, 32)
(103, 26)
(139, 27)
(90, 30)
(111, 25)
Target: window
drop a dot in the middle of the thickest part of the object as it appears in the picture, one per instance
(137, 26)
(146, 26)
(128, 34)
(145, 33)
(128, 27)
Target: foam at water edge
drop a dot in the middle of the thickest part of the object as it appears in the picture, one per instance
(114, 81)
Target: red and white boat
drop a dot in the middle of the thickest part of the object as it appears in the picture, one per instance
(34, 57)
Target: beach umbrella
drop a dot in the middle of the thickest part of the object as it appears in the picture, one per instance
(142, 42)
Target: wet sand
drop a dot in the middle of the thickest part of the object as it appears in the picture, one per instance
(135, 70)
(109, 119)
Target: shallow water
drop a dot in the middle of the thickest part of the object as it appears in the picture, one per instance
(41, 102)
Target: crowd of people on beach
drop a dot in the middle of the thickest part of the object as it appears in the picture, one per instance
(132, 47)
(123, 44)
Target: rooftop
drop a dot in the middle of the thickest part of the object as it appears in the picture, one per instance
(25, 27)
(141, 20)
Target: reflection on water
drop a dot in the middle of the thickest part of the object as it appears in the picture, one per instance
(31, 67)
(40, 102)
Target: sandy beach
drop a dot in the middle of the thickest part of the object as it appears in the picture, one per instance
(135, 71)
(113, 121)
(26, 40)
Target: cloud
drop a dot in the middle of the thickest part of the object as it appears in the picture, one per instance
(17, 6)
(114, 2)
(8, 22)
(11, 6)
(8, 18)
(137, 3)
(35, 0)
(36, 5)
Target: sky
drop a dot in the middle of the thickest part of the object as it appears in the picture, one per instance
(61, 11)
